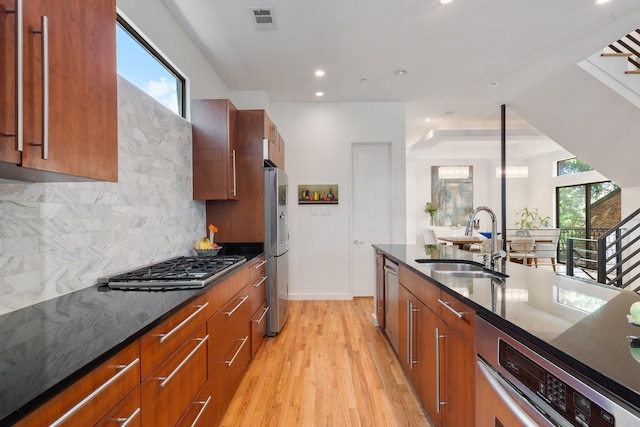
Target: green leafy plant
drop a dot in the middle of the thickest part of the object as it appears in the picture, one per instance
(431, 209)
(530, 219)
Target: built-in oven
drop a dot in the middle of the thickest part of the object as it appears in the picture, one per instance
(516, 386)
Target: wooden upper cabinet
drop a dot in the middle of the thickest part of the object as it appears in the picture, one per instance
(215, 156)
(78, 138)
(273, 143)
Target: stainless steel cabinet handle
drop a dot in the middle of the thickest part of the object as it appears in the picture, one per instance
(502, 389)
(164, 337)
(123, 370)
(257, 285)
(165, 380)
(460, 314)
(124, 422)
(233, 157)
(19, 50)
(409, 334)
(204, 406)
(242, 300)
(44, 30)
(230, 362)
(438, 401)
(263, 262)
(266, 309)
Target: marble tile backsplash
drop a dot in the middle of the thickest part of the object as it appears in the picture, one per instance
(59, 237)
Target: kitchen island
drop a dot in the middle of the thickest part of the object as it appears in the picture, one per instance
(48, 348)
(578, 325)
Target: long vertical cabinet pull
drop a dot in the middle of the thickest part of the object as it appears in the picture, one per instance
(409, 334)
(44, 30)
(19, 49)
(438, 401)
(233, 163)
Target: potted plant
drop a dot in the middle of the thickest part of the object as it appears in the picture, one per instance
(431, 209)
(530, 219)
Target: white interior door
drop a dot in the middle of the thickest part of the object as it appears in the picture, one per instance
(371, 199)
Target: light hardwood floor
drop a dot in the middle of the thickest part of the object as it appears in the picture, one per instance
(328, 367)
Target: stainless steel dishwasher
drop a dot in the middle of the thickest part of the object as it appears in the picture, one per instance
(391, 302)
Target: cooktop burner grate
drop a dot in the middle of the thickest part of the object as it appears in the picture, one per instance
(175, 273)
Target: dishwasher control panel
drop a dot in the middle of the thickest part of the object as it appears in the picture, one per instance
(574, 407)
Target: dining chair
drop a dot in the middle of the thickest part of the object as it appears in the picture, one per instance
(547, 250)
(522, 250)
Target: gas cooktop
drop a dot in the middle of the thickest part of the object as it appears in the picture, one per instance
(189, 272)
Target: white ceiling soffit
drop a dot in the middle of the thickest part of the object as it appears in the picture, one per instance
(264, 18)
(482, 143)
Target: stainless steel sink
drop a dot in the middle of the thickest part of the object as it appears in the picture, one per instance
(488, 274)
(461, 268)
(451, 266)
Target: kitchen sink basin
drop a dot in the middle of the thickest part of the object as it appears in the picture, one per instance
(459, 268)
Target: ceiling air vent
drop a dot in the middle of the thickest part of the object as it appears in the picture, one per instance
(264, 19)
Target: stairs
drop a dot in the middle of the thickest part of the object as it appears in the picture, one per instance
(627, 47)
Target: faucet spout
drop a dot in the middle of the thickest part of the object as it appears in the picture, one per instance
(495, 253)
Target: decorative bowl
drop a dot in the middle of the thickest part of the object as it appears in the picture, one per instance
(208, 252)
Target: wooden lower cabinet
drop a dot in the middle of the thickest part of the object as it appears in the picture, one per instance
(89, 399)
(229, 350)
(183, 372)
(200, 412)
(127, 412)
(169, 390)
(436, 352)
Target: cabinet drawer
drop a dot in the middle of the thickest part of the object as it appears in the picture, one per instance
(222, 292)
(170, 389)
(257, 294)
(257, 268)
(200, 411)
(89, 399)
(425, 291)
(162, 340)
(459, 316)
(126, 413)
(229, 352)
(258, 328)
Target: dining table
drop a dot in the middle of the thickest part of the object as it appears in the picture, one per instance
(461, 241)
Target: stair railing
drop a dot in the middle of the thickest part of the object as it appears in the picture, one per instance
(617, 253)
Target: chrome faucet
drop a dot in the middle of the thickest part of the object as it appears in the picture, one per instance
(489, 262)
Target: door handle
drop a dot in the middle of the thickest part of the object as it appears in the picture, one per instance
(358, 242)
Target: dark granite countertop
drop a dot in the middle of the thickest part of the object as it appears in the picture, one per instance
(47, 346)
(580, 325)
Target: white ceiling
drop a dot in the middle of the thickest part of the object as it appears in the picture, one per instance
(451, 53)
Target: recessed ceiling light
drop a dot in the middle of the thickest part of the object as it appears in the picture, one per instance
(401, 72)
(319, 73)
(444, 1)
(319, 93)
(428, 119)
(601, 1)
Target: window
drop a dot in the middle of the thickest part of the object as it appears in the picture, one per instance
(571, 166)
(586, 211)
(146, 68)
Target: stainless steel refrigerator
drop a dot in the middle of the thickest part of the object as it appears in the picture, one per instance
(276, 247)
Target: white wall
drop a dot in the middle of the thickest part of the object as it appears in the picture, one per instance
(318, 140)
